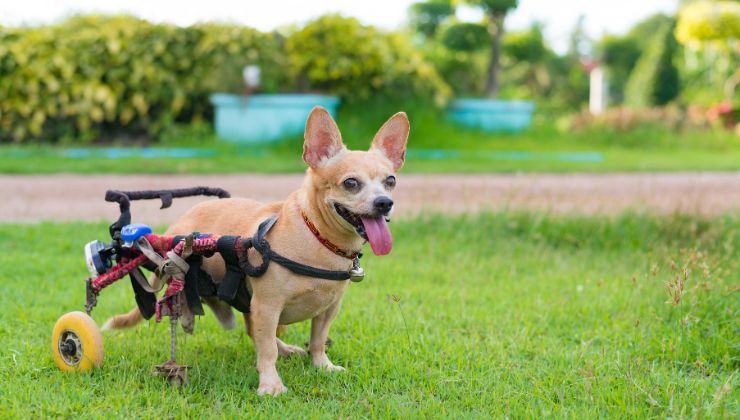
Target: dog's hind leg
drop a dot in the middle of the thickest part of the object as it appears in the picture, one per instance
(287, 350)
(187, 318)
(223, 312)
(319, 335)
(127, 320)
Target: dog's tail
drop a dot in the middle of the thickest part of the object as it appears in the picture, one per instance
(133, 318)
(128, 320)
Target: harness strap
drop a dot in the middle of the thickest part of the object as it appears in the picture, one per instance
(184, 272)
(146, 248)
(193, 283)
(142, 281)
(232, 289)
(307, 270)
(260, 244)
(145, 298)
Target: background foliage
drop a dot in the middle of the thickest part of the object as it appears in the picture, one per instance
(96, 74)
(654, 80)
(119, 76)
(340, 55)
(710, 33)
(93, 78)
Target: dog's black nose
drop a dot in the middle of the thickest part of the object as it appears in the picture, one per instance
(383, 205)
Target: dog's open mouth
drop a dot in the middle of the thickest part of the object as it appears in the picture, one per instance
(352, 219)
(374, 229)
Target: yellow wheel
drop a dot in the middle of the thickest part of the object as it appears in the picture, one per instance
(77, 343)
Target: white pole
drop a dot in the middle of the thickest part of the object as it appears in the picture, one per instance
(597, 91)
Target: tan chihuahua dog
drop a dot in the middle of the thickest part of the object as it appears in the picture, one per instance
(346, 196)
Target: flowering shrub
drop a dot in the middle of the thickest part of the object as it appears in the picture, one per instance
(622, 119)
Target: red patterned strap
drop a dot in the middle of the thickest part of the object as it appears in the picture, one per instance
(329, 245)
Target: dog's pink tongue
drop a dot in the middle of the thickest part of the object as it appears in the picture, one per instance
(378, 234)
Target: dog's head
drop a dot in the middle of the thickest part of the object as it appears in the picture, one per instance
(354, 187)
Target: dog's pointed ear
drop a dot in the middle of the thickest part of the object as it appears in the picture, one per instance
(322, 139)
(390, 141)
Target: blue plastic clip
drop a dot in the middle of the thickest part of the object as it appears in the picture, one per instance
(130, 233)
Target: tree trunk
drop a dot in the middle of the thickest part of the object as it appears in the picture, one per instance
(494, 65)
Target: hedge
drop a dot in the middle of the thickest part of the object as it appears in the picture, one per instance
(93, 77)
(340, 55)
(92, 74)
(655, 80)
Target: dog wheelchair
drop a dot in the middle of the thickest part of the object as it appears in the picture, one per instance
(77, 342)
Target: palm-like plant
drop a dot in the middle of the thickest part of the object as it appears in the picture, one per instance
(429, 16)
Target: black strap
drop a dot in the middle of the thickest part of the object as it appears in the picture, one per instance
(144, 300)
(192, 295)
(307, 270)
(260, 244)
(232, 288)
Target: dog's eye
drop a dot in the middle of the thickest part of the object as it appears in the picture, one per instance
(351, 184)
(390, 182)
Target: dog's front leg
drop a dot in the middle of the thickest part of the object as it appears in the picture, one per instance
(265, 319)
(320, 325)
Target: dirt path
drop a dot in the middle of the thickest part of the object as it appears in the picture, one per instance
(80, 197)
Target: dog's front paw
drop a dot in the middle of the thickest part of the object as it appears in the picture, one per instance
(271, 388)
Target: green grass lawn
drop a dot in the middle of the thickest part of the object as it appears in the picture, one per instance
(435, 144)
(503, 314)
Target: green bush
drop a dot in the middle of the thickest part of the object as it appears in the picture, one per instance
(654, 79)
(465, 72)
(339, 55)
(118, 76)
(91, 75)
(427, 16)
(526, 46)
(466, 36)
(709, 32)
(619, 54)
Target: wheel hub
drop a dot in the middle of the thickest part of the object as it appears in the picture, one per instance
(70, 348)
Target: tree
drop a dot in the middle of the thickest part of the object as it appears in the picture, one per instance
(428, 17)
(338, 54)
(710, 31)
(619, 54)
(644, 30)
(654, 80)
(707, 21)
(571, 81)
(578, 41)
(496, 11)
(527, 60)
